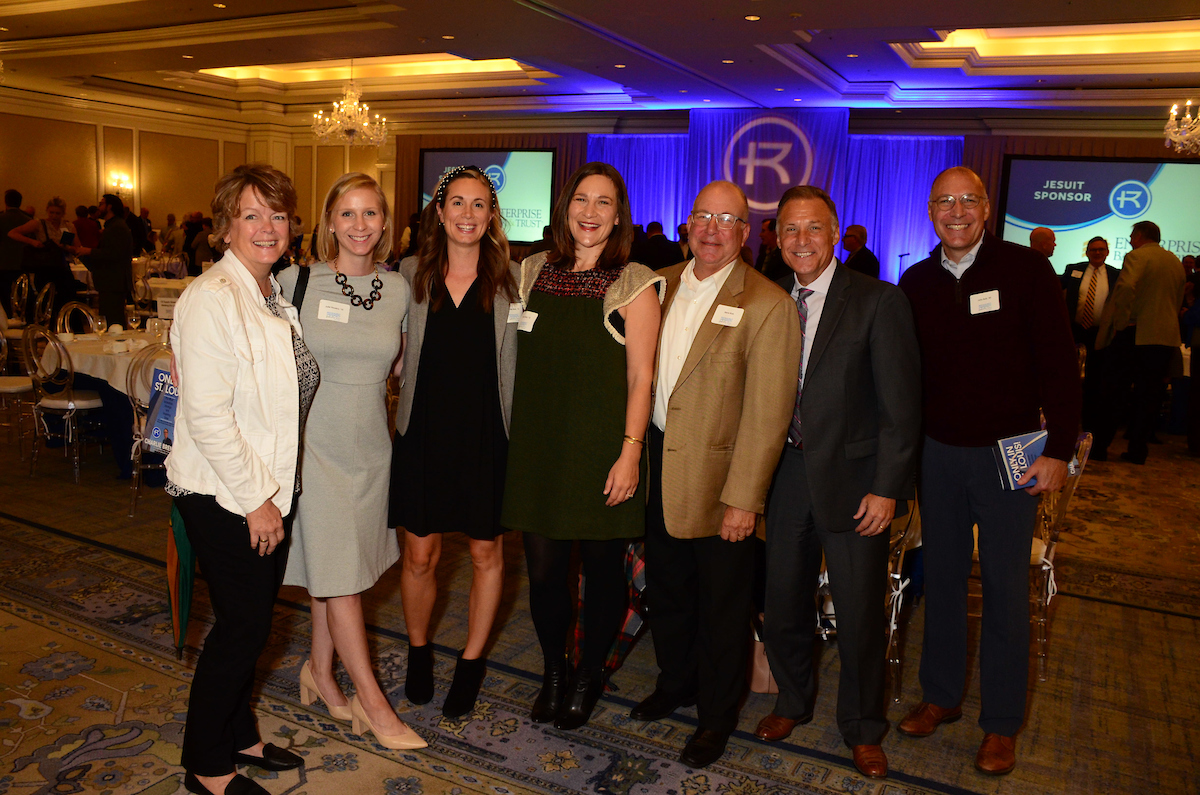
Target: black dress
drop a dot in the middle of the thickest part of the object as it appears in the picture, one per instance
(448, 468)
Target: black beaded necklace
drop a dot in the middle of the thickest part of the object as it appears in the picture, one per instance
(355, 298)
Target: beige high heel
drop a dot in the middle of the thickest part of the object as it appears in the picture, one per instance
(406, 740)
(310, 692)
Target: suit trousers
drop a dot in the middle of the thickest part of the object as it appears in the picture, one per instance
(1150, 373)
(960, 487)
(242, 586)
(698, 595)
(858, 580)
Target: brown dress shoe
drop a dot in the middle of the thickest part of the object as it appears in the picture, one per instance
(773, 727)
(997, 755)
(925, 718)
(870, 760)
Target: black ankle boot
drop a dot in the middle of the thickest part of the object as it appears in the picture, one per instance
(468, 678)
(554, 690)
(584, 690)
(418, 681)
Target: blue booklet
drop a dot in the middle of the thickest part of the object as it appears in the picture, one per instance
(1016, 454)
(160, 416)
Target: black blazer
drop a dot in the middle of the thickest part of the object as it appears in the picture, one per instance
(1071, 284)
(864, 261)
(861, 407)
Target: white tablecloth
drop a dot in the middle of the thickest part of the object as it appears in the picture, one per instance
(89, 357)
(81, 273)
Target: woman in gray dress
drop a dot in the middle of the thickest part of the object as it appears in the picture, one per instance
(352, 314)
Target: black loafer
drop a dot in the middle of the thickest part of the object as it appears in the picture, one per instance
(660, 704)
(583, 691)
(273, 758)
(239, 786)
(705, 747)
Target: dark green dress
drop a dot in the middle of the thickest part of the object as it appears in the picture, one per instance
(568, 415)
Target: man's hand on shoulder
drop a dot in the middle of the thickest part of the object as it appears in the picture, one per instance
(738, 524)
(876, 513)
(1051, 474)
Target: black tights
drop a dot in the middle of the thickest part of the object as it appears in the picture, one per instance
(550, 603)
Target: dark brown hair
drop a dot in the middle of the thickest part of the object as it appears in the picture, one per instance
(494, 273)
(808, 192)
(272, 186)
(616, 248)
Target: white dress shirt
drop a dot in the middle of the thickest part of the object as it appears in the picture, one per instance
(688, 310)
(957, 269)
(815, 304)
(1101, 276)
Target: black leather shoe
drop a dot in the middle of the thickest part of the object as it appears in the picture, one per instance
(554, 690)
(468, 678)
(705, 747)
(660, 704)
(239, 786)
(583, 691)
(273, 758)
(418, 680)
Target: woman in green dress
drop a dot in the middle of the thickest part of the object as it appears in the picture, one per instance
(581, 404)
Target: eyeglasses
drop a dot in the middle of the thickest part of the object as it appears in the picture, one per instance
(969, 201)
(724, 220)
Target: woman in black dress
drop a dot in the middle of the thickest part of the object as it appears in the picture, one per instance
(452, 424)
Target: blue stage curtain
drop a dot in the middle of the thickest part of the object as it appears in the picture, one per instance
(886, 190)
(654, 170)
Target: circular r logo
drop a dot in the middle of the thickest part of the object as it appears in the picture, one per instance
(777, 157)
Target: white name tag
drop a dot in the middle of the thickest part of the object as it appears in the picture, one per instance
(514, 312)
(331, 310)
(728, 315)
(1076, 274)
(527, 320)
(985, 302)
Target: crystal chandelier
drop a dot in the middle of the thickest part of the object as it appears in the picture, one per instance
(1183, 134)
(350, 122)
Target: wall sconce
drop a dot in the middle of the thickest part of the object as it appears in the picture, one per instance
(120, 183)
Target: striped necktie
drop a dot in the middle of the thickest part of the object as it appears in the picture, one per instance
(795, 439)
(1086, 316)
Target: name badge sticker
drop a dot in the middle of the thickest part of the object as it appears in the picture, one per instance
(982, 303)
(331, 310)
(527, 320)
(1076, 274)
(514, 312)
(728, 315)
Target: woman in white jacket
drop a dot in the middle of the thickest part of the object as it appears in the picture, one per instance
(245, 381)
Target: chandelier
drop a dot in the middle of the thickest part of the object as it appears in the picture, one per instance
(1183, 134)
(350, 122)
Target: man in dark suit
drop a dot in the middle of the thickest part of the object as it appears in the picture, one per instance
(851, 455)
(860, 258)
(658, 251)
(1088, 285)
(996, 350)
(111, 262)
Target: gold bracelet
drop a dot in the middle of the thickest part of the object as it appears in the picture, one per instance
(632, 440)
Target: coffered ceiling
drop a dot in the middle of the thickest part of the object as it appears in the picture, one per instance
(278, 61)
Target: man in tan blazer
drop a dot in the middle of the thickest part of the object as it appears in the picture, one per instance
(725, 386)
(1148, 293)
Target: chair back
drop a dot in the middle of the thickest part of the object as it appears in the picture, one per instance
(1081, 355)
(87, 319)
(1052, 509)
(47, 363)
(139, 383)
(43, 307)
(20, 298)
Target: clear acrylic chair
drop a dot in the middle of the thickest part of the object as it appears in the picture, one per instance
(76, 315)
(15, 404)
(139, 386)
(19, 304)
(49, 367)
(43, 307)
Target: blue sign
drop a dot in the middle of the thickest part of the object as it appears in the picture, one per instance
(496, 174)
(1130, 199)
(766, 156)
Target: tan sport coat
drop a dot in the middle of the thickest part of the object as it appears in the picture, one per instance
(1148, 292)
(728, 415)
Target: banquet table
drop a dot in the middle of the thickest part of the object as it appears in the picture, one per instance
(173, 267)
(81, 273)
(161, 288)
(94, 355)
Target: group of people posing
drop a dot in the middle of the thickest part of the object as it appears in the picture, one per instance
(587, 401)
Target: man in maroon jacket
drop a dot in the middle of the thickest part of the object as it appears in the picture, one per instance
(996, 348)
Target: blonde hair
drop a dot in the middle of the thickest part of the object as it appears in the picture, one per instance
(327, 245)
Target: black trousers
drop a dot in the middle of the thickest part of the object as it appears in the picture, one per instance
(1149, 386)
(1193, 417)
(698, 595)
(959, 488)
(242, 586)
(858, 580)
(1115, 369)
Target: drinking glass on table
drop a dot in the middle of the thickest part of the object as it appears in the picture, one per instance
(132, 318)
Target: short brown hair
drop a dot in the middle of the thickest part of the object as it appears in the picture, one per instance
(1148, 230)
(272, 186)
(327, 245)
(616, 249)
(809, 192)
